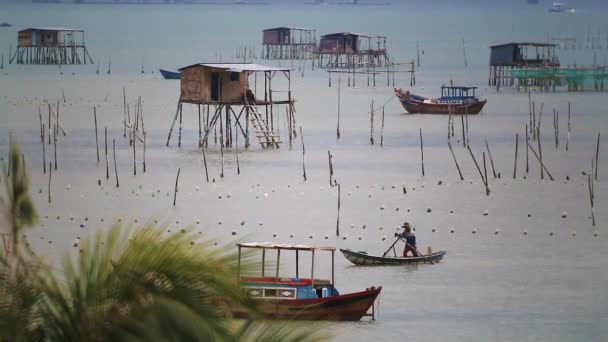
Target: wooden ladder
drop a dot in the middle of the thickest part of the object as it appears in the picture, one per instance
(265, 135)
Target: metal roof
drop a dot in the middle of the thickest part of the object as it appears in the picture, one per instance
(52, 29)
(237, 67)
(290, 28)
(525, 44)
(346, 34)
(458, 87)
(272, 245)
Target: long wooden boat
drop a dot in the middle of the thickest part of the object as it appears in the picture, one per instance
(303, 298)
(170, 75)
(362, 258)
(453, 100)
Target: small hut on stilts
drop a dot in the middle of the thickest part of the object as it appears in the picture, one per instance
(51, 45)
(225, 100)
(289, 43)
(352, 50)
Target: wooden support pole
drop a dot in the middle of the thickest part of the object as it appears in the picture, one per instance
(96, 138)
(106, 150)
(303, 155)
(542, 165)
(421, 153)
(331, 170)
(338, 219)
(491, 159)
(455, 161)
(516, 148)
(176, 183)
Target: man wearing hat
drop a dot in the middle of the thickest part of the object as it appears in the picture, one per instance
(410, 240)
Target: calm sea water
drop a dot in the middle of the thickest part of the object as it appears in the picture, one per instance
(495, 284)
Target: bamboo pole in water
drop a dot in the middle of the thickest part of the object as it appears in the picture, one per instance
(597, 154)
(338, 124)
(527, 152)
(236, 152)
(491, 159)
(382, 129)
(96, 137)
(542, 165)
(134, 152)
(591, 195)
(371, 125)
(43, 152)
(50, 173)
(205, 163)
(485, 173)
(516, 148)
(55, 144)
(421, 152)
(540, 151)
(569, 128)
(144, 154)
(115, 166)
(455, 161)
(303, 155)
(479, 170)
(175, 190)
(106, 150)
(338, 219)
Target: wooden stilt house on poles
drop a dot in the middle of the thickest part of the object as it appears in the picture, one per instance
(224, 93)
(51, 45)
(507, 58)
(289, 43)
(352, 50)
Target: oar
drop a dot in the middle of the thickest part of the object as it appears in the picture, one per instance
(420, 254)
(392, 246)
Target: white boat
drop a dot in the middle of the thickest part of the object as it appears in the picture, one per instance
(559, 7)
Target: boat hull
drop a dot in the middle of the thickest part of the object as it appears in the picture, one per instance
(170, 75)
(417, 105)
(348, 307)
(363, 259)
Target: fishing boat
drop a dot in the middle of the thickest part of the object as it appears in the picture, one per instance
(364, 259)
(302, 298)
(453, 100)
(170, 75)
(558, 7)
(5, 24)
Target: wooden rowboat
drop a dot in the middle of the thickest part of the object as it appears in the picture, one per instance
(364, 259)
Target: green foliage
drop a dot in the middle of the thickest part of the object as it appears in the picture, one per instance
(125, 285)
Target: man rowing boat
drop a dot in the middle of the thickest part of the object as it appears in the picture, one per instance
(410, 240)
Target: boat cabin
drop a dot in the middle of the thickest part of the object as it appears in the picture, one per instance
(453, 92)
(274, 286)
